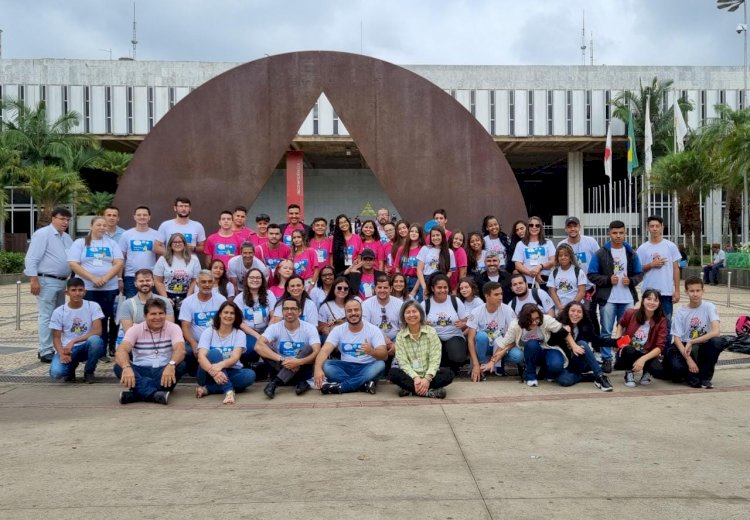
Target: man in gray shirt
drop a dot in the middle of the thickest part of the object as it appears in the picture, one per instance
(47, 268)
(130, 312)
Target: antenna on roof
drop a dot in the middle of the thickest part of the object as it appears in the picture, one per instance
(591, 47)
(583, 39)
(134, 41)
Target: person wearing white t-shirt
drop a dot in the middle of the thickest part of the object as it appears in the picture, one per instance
(534, 255)
(660, 260)
(383, 311)
(485, 325)
(196, 313)
(447, 315)
(192, 230)
(238, 266)
(584, 247)
(140, 246)
(363, 354)
(711, 271)
(289, 347)
(697, 341)
(434, 257)
(616, 271)
(523, 295)
(567, 282)
(76, 334)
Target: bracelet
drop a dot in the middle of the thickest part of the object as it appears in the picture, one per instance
(127, 366)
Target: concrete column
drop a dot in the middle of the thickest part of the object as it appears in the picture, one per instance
(575, 184)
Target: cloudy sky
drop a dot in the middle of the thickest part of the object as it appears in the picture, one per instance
(625, 32)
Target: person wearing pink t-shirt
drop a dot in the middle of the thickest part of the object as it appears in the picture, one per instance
(406, 257)
(371, 240)
(293, 223)
(262, 222)
(224, 244)
(274, 251)
(462, 261)
(284, 270)
(305, 260)
(239, 217)
(320, 242)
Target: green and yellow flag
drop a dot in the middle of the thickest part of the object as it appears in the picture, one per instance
(632, 154)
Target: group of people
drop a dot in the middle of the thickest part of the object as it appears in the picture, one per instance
(338, 311)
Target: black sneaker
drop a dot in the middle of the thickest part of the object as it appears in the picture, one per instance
(270, 390)
(330, 388)
(89, 378)
(71, 377)
(707, 384)
(436, 393)
(111, 351)
(45, 358)
(302, 387)
(371, 387)
(161, 397)
(607, 366)
(127, 397)
(402, 392)
(694, 382)
(603, 384)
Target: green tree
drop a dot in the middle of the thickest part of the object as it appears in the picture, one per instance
(112, 161)
(723, 144)
(95, 203)
(51, 186)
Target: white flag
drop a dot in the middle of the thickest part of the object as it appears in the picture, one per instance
(608, 154)
(648, 139)
(680, 128)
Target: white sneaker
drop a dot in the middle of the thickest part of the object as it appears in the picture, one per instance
(646, 378)
(629, 379)
(532, 382)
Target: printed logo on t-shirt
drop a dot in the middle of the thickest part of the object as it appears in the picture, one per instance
(273, 262)
(697, 329)
(491, 329)
(367, 289)
(409, 262)
(322, 255)
(288, 240)
(353, 349)
(203, 318)
(443, 320)
(225, 351)
(434, 262)
(97, 252)
(581, 258)
(179, 282)
(300, 266)
(349, 257)
(564, 285)
(534, 255)
(290, 348)
(639, 338)
(78, 327)
(619, 265)
(188, 238)
(226, 249)
(141, 246)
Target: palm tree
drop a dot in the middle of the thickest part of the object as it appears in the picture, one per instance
(662, 122)
(51, 186)
(724, 147)
(684, 173)
(112, 161)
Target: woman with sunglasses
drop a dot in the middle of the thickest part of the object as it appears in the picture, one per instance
(331, 312)
(324, 285)
(175, 272)
(642, 332)
(530, 341)
(534, 256)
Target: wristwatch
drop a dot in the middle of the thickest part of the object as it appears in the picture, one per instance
(172, 362)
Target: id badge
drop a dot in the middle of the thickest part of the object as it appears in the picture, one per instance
(415, 364)
(348, 259)
(321, 255)
(258, 317)
(367, 290)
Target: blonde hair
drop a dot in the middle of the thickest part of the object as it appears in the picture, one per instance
(87, 240)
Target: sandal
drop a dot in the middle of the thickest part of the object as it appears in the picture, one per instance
(229, 397)
(200, 391)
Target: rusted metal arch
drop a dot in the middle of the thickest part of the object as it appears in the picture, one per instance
(220, 144)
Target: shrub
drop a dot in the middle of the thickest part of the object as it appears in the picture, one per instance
(11, 262)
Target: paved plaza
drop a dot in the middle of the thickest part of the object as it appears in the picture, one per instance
(497, 449)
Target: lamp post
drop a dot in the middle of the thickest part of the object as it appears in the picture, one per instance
(731, 6)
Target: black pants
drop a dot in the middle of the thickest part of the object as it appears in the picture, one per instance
(288, 376)
(706, 357)
(630, 355)
(455, 352)
(444, 377)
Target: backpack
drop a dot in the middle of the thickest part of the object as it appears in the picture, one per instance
(454, 302)
(742, 327)
(534, 294)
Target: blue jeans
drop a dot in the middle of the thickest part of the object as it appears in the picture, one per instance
(238, 378)
(577, 365)
(352, 375)
(106, 300)
(129, 286)
(89, 351)
(533, 355)
(711, 273)
(411, 281)
(51, 296)
(609, 314)
(484, 346)
(667, 307)
(148, 380)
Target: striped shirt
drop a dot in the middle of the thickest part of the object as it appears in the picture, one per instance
(153, 349)
(420, 357)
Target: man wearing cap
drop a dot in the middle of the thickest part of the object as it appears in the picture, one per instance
(583, 246)
(47, 268)
(362, 275)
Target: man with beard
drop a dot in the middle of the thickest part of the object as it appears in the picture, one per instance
(194, 233)
(522, 295)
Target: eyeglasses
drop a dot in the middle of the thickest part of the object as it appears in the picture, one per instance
(254, 277)
(66, 219)
(535, 225)
(289, 309)
(341, 288)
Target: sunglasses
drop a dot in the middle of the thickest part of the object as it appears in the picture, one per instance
(535, 225)
(341, 288)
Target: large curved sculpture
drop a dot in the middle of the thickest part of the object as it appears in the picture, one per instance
(221, 143)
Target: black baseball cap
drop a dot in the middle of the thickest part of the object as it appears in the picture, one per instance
(368, 253)
(572, 220)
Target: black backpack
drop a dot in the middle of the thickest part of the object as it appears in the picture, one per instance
(534, 294)
(454, 302)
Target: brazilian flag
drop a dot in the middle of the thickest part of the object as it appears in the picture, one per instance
(632, 155)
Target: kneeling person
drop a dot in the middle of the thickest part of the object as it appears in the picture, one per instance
(76, 334)
(158, 349)
(289, 347)
(363, 353)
